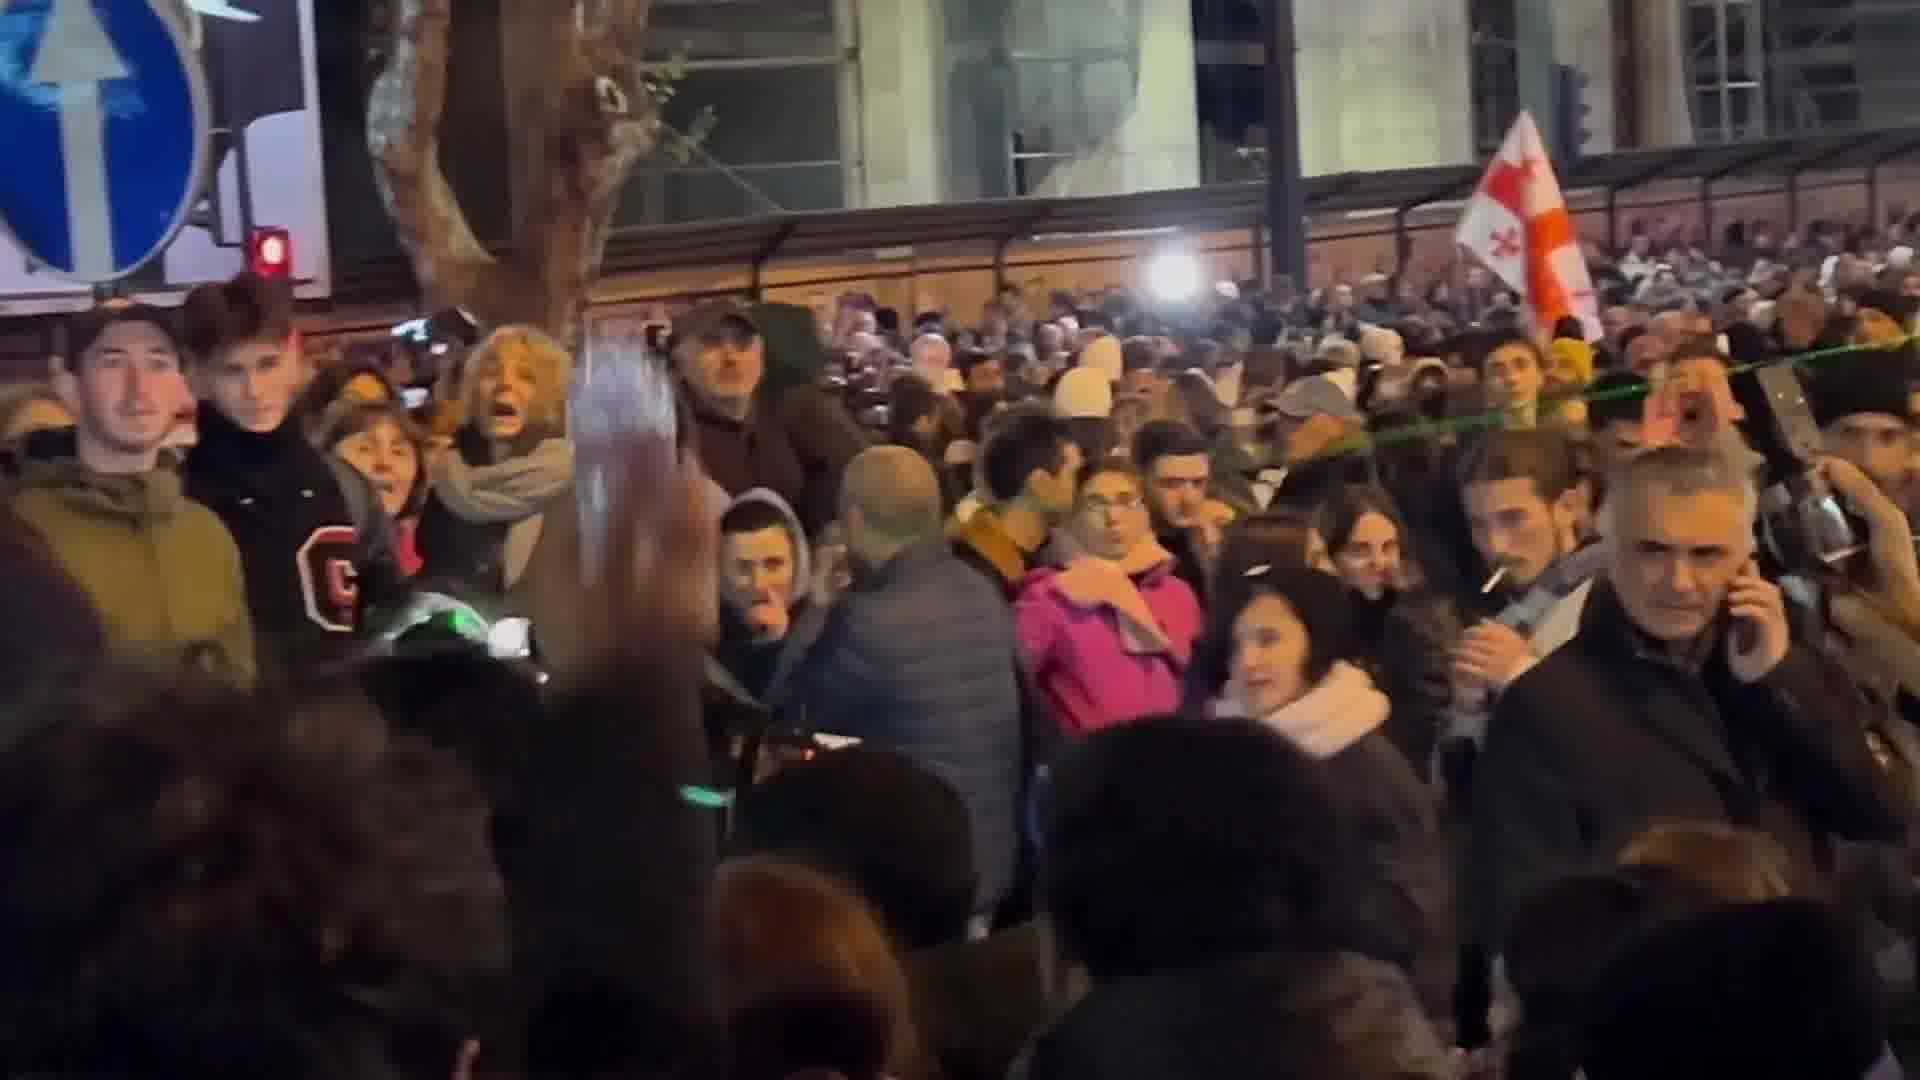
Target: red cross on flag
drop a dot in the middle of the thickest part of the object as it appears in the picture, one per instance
(1517, 224)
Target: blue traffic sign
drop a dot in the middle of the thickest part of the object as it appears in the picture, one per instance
(103, 121)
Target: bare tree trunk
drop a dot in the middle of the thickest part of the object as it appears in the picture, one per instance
(589, 112)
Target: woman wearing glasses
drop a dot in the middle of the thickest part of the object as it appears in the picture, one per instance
(1106, 635)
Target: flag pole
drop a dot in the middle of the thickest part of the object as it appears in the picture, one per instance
(1286, 189)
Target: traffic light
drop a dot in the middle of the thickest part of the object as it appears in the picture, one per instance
(1571, 113)
(270, 254)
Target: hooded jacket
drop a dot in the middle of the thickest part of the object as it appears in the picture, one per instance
(161, 570)
(1103, 657)
(753, 663)
(288, 511)
(67, 633)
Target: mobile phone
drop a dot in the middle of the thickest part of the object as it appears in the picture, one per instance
(621, 418)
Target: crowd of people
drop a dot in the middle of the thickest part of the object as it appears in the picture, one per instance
(1357, 684)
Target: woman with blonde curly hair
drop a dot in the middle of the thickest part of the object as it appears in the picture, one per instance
(510, 461)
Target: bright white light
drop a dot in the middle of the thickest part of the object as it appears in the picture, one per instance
(1174, 276)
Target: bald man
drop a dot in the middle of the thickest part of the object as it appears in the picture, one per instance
(917, 656)
(889, 501)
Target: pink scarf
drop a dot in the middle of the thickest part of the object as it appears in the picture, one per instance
(1339, 711)
(1092, 582)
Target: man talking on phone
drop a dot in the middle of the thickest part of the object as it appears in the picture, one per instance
(1682, 697)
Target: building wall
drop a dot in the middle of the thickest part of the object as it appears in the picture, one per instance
(1100, 92)
(901, 157)
(1384, 84)
(1156, 142)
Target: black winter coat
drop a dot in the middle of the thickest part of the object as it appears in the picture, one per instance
(757, 452)
(1411, 653)
(1267, 1016)
(309, 563)
(1399, 889)
(1604, 738)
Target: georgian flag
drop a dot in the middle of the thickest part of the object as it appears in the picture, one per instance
(1517, 224)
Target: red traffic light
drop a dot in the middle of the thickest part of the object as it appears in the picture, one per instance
(270, 253)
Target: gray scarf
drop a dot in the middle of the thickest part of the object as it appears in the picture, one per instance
(514, 492)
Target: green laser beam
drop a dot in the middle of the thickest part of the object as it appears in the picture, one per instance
(1454, 425)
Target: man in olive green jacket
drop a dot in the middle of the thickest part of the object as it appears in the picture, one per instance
(160, 569)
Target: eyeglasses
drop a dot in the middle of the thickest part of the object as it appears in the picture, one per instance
(1118, 504)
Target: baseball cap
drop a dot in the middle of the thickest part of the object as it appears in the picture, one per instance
(1313, 396)
(81, 330)
(713, 323)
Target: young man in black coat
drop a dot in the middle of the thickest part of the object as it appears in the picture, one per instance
(309, 530)
(1682, 697)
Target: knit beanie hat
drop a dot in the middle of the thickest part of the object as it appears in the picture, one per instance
(1104, 354)
(1084, 392)
(1872, 382)
(1316, 395)
(1572, 360)
(1887, 302)
(1379, 344)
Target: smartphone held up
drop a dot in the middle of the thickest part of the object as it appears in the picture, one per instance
(622, 420)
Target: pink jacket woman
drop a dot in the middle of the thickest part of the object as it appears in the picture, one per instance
(1107, 638)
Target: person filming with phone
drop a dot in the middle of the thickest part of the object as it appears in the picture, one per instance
(1683, 696)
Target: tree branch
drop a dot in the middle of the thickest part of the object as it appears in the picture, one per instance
(403, 135)
(596, 116)
(586, 112)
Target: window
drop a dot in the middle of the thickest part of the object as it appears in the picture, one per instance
(772, 74)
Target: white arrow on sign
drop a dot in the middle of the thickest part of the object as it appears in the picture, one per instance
(76, 55)
(220, 9)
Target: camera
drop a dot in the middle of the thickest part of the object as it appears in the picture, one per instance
(1803, 524)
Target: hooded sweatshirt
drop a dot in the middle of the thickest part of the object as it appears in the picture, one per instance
(753, 663)
(285, 506)
(160, 569)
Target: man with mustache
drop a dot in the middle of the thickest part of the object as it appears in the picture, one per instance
(162, 572)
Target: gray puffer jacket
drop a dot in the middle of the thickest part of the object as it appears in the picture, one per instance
(918, 658)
